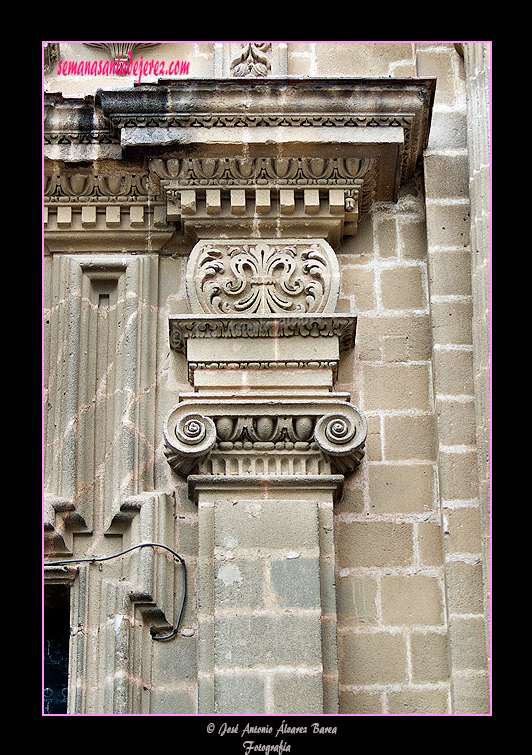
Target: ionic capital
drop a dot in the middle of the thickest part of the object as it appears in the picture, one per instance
(254, 437)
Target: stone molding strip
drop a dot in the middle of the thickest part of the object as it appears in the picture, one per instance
(302, 483)
(184, 327)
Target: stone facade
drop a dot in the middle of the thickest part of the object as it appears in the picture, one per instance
(267, 362)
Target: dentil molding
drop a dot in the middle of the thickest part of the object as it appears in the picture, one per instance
(282, 158)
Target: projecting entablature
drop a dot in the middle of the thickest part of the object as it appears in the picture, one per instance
(304, 158)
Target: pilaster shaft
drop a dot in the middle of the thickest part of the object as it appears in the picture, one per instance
(266, 603)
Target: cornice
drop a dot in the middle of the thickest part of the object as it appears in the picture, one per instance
(272, 96)
(165, 113)
(75, 129)
(232, 157)
(109, 118)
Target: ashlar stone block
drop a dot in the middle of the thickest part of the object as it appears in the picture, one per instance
(251, 641)
(296, 582)
(378, 658)
(401, 604)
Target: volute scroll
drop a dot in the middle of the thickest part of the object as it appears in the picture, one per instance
(193, 439)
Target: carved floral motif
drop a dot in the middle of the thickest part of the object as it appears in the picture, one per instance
(252, 60)
(265, 277)
(51, 55)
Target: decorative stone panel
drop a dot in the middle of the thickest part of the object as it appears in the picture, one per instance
(253, 60)
(100, 346)
(247, 277)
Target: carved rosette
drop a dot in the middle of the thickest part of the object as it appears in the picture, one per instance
(266, 277)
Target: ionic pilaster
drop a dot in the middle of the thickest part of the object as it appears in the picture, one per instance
(265, 443)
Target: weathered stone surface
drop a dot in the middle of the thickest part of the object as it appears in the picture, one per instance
(270, 146)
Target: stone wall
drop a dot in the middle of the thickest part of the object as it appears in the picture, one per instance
(411, 530)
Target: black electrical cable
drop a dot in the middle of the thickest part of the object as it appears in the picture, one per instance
(95, 559)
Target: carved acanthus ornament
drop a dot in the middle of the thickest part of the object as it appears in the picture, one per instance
(51, 55)
(253, 60)
(249, 278)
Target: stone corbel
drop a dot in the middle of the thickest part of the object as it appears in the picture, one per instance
(61, 521)
(151, 581)
(264, 180)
